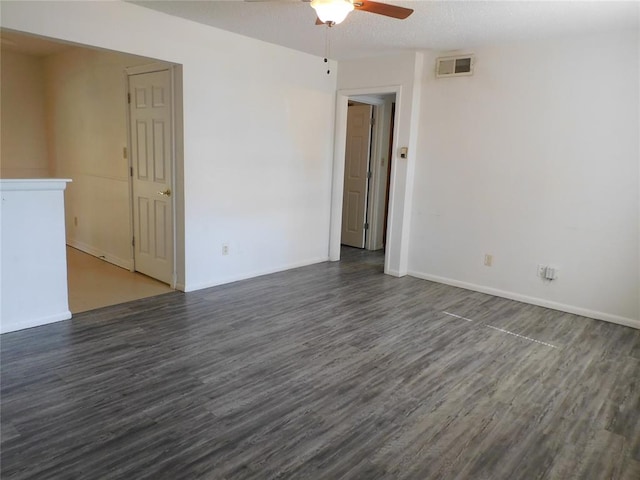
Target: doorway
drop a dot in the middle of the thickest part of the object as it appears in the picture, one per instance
(85, 124)
(367, 170)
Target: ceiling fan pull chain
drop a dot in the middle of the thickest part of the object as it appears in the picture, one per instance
(326, 49)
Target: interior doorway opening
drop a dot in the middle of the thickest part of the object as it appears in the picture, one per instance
(78, 101)
(367, 171)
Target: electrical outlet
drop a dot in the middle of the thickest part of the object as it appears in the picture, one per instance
(488, 260)
(225, 249)
(551, 273)
(541, 270)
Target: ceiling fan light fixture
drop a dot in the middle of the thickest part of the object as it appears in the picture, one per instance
(332, 11)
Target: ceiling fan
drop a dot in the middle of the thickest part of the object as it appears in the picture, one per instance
(332, 12)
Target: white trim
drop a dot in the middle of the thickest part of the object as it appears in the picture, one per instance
(368, 99)
(253, 274)
(34, 322)
(33, 184)
(174, 220)
(148, 68)
(101, 254)
(132, 252)
(541, 302)
(381, 137)
(337, 184)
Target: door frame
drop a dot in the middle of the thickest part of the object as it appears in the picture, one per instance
(380, 133)
(340, 135)
(138, 70)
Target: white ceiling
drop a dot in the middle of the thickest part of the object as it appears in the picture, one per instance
(438, 25)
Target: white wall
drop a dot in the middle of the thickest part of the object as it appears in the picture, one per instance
(23, 152)
(87, 125)
(534, 159)
(399, 73)
(33, 267)
(258, 123)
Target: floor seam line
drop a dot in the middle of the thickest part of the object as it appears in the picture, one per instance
(500, 329)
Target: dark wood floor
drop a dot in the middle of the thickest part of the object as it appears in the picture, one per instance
(329, 371)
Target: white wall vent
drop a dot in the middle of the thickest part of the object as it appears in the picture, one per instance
(454, 66)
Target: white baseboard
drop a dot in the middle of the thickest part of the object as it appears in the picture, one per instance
(6, 327)
(393, 273)
(541, 302)
(96, 252)
(256, 273)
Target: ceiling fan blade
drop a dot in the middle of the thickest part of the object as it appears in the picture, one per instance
(383, 9)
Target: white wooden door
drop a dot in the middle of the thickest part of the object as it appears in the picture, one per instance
(354, 200)
(152, 162)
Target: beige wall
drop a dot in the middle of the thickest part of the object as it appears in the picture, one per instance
(24, 147)
(64, 115)
(86, 117)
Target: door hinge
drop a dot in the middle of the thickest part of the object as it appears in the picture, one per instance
(366, 226)
(128, 98)
(133, 241)
(373, 121)
(369, 174)
(131, 171)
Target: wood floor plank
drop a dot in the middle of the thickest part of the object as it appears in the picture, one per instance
(328, 371)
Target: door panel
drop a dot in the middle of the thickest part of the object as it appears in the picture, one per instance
(159, 153)
(161, 222)
(143, 226)
(354, 199)
(141, 159)
(150, 111)
(353, 217)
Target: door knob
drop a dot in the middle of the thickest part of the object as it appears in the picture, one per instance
(166, 193)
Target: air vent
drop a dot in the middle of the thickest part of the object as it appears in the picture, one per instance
(454, 66)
